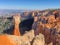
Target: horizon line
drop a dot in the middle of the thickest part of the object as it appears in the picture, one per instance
(29, 9)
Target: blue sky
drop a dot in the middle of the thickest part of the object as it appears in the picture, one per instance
(29, 4)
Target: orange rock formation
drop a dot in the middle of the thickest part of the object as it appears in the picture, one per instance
(16, 28)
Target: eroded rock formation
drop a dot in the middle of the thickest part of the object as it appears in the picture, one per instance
(46, 30)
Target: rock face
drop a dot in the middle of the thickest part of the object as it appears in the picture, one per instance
(51, 19)
(27, 39)
(49, 26)
(30, 39)
(30, 35)
(39, 40)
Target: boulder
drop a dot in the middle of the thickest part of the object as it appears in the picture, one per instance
(39, 40)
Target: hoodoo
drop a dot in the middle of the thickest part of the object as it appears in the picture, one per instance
(16, 22)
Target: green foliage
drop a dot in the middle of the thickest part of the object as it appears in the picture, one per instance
(5, 24)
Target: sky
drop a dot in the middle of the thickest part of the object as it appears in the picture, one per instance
(29, 4)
